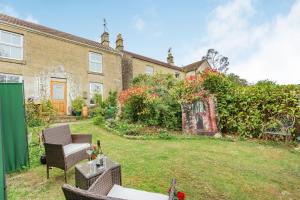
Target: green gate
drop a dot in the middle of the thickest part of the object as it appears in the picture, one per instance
(14, 130)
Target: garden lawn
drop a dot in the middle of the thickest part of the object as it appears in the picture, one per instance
(205, 168)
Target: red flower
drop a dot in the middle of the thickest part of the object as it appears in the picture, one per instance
(180, 195)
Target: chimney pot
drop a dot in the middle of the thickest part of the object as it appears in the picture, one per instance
(119, 43)
(170, 57)
(105, 39)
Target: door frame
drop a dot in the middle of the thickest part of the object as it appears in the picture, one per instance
(64, 81)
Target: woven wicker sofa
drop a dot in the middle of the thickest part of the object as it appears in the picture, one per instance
(107, 187)
(64, 150)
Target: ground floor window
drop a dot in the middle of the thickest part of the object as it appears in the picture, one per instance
(10, 78)
(95, 89)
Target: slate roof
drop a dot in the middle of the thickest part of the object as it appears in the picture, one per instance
(51, 31)
(144, 58)
(15, 21)
(193, 66)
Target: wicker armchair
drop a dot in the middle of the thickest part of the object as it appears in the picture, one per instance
(101, 188)
(64, 150)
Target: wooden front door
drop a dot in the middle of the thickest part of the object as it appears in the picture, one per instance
(59, 95)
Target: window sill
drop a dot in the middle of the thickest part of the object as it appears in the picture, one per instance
(22, 62)
(96, 73)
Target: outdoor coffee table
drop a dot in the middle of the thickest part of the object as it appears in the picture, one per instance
(86, 173)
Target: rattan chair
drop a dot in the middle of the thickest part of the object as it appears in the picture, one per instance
(101, 187)
(64, 150)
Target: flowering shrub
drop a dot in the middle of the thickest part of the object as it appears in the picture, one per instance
(191, 88)
(149, 101)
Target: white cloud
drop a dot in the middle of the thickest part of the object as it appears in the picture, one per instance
(139, 23)
(30, 18)
(9, 10)
(256, 51)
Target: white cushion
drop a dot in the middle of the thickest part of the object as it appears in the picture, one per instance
(75, 147)
(131, 194)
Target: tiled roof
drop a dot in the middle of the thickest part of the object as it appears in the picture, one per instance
(44, 29)
(15, 21)
(137, 56)
(193, 66)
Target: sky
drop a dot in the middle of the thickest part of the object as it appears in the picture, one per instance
(261, 38)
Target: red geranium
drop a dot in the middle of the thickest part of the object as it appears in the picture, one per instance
(180, 195)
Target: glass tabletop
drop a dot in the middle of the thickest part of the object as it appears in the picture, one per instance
(90, 169)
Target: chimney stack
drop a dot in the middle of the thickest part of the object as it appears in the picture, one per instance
(170, 58)
(119, 43)
(105, 39)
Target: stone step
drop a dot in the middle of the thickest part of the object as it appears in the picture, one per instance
(62, 119)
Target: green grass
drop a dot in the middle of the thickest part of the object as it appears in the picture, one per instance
(205, 168)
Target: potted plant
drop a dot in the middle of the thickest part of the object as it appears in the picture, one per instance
(77, 104)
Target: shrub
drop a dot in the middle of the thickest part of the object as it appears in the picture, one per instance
(124, 128)
(245, 110)
(132, 132)
(150, 102)
(77, 104)
(106, 109)
(99, 120)
(163, 134)
(38, 114)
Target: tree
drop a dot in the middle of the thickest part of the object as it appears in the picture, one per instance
(216, 60)
(238, 80)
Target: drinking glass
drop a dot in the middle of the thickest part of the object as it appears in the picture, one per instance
(89, 151)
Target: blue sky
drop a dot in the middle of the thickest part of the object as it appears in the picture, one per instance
(254, 34)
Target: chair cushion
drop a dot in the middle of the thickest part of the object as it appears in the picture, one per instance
(118, 191)
(75, 147)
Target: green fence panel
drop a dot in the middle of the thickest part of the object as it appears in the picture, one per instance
(14, 130)
(2, 180)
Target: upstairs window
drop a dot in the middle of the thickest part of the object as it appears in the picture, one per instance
(149, 70)
(95, 62)
(177, 75)
(11, 45)
(95, 89)
(10, 78)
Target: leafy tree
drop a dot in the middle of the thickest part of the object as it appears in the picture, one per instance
(238, 80)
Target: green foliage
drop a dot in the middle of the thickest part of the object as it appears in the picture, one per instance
(103, 110)
(151, 103)
(77, 104)
(35, 148)
(38, 114)
(124, 128)
(237, 80)
(99, 120)
(164, 135)
(246, 110)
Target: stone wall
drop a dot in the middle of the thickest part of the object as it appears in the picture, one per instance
(139, 67)
(47, 57)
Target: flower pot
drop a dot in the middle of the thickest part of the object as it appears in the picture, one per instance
(85, 111)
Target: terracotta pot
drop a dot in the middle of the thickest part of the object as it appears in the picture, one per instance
(85, 111)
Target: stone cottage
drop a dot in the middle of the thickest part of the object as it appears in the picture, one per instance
(60, 66)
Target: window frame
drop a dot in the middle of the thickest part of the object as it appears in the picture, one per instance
(12, 75)
(148, 67)
(97, 62)
(10, 45)
(92, 93)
